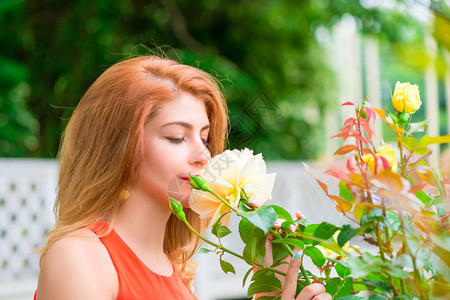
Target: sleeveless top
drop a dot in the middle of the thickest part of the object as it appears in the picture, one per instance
(136, 280)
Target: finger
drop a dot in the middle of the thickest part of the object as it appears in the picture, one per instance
(311, 291)
(290, 284)
(324, 296)
(268, 257)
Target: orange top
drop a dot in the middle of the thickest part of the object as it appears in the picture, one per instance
(136, 280)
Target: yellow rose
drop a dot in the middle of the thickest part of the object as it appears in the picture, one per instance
(406, 97)
(387, 153)
(227, 174)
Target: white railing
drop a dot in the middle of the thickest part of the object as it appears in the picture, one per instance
(27, 192)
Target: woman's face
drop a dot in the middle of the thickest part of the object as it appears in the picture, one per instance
(175, 142)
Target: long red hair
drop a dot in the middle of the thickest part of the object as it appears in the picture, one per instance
(103, 145)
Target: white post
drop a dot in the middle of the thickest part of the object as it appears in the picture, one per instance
(345, 58)
(432, 98)
(372, 72)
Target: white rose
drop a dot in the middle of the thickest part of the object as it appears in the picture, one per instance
(227, 174)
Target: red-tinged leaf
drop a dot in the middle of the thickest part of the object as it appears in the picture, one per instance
(367, 151)
(348, 103)
(368, 129)
(362, 139)
(342, 135)
(370, 114)
(349, 121)
(351, 164)
(339, 173)
(382, 114)
(345, 149)
(323, 186)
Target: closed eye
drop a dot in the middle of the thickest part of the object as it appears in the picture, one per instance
(176, 140)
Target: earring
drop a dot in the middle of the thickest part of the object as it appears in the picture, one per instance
(124, 194)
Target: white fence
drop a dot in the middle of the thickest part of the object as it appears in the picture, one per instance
(27, 192)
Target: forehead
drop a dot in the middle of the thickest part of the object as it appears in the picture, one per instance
(185, 107)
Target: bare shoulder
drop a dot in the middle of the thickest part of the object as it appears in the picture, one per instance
(77, 267)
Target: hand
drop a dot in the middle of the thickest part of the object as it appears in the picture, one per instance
(314, 291)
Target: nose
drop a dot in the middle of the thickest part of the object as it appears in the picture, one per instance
(199, 154)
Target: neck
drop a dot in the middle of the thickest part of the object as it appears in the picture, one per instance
(141, 223)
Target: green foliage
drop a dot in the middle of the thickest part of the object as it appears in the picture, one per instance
(263, 217)
(53, 51)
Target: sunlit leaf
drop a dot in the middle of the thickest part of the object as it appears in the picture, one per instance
(344, 191)
(409, 142)
(429, 140)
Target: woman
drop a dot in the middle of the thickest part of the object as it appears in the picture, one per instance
(139, 130)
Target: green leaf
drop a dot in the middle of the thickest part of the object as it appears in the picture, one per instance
(409, 142)
(226, 266)
(347, 232)
(246, 276)
(282, 213)
(344, 191)
(392, 220)
(349, 297)
(325, 230)
(279, 252)
(426, 199)
(316, 256)
(360, 267)
(342, 271)
(204, 250)
(293, 242)
(381, 285)
(264, 283)
(337, 287)
(376, 297)
(263, 217)
(220, 231)
(247, 231)
(254, 250)
(429, 140)
(417, 127)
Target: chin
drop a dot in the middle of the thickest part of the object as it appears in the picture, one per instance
(182, 197)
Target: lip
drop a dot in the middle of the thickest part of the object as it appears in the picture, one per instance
(186, 177)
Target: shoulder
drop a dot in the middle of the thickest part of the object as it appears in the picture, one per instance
(77, 267)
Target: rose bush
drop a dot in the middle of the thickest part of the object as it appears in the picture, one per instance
(397, 204)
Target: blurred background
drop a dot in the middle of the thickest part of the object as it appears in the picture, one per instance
(284, 66)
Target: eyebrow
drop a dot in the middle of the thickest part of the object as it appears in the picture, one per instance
(184, 124)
